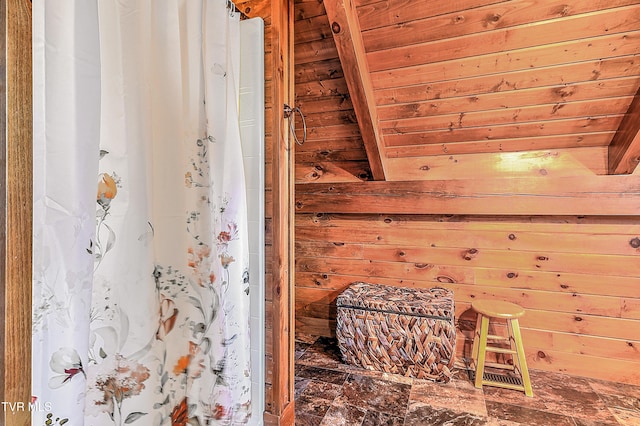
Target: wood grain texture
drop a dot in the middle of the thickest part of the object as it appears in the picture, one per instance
(282, 292)
(615, 195)
(624, 150)
(582, 315)
(542, 163)
(505, 15)
(279, 292)
(474, 77)
(345, 27)
(16, 89)
(545, 32)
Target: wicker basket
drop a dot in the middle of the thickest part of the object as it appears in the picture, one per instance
(398, 330)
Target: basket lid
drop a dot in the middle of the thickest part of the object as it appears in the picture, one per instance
(431, 302)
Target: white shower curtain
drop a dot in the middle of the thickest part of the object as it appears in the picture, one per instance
(140, 288)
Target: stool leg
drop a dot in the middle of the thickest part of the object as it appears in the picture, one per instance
(482, 351)
(476, 339)
(522, 360)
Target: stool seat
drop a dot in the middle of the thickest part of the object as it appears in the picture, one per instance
(497, 309)
(494, 310)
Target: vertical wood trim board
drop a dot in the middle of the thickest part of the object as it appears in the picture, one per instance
(279, 296)
(15, 341)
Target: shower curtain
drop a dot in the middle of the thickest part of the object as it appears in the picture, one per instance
(140, 280)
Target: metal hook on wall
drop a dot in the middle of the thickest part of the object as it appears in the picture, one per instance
(289, 113)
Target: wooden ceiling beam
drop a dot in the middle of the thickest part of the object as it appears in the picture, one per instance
(624, 150)
(574, 195)
(345, 27)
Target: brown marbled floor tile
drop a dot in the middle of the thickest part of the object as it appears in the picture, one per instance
(422, 414)
(572, 396)
(305, 419)
(526, 416)
(589, 422)
(611, 388)
(324, 390)
(312, 406)
(322, 374)
(300, 348)
(396, 378)
(457, 395)
(501, 422)
(375, 394)
(324, 352)
(625, 402)
(626, 417)
(556, 393)
(373, 418)
(299, 385)
(341, 413)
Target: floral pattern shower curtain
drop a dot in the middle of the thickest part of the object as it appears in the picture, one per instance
(140, 288)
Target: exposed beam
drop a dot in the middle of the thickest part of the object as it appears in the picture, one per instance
(580, 195)
(345, 27)
(624, 150)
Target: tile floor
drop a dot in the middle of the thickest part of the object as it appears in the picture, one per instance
(331, 393)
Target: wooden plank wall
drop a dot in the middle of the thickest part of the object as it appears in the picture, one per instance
(569, 253)
(334, 150)
(578, 278)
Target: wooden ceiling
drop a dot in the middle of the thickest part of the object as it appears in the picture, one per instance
(387, 85)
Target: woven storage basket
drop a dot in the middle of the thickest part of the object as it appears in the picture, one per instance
(398, 330)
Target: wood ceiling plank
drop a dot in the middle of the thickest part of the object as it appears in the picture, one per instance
(375, 13)
(348, 40)
(523, 130)
(595, 70)
(504, 145)
(616, 196)
(478, 20)
(624, 151)
(594, 24)
(513, 99)
(532, 113)
(544, 163)
(522, 59)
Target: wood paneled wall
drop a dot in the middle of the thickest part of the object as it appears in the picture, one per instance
(334, 150)
(577, 277)
(539, 228)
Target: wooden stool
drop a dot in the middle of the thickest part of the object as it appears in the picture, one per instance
(491, 310)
